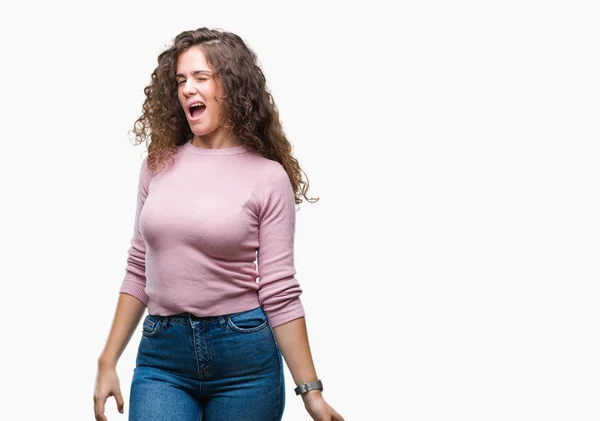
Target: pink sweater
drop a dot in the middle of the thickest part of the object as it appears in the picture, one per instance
(200, 226)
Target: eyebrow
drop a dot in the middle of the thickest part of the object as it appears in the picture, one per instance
(194, 73)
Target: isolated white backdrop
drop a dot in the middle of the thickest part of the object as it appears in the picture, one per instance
(450, 269)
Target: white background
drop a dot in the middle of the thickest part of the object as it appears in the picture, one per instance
(450, 269)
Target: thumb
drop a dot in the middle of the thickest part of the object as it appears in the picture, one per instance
(120, 401)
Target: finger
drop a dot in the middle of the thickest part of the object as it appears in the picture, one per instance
(337, 417)
(99, 408)
(120, 401)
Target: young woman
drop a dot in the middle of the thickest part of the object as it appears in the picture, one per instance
(216, 193)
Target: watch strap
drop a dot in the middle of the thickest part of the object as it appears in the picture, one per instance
(305, 387)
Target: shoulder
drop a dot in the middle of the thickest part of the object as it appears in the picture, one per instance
(144, 169)
(264, 165)
(272, 184)
(146, 173)
(276, 172)
(275, 178)
(265, 171)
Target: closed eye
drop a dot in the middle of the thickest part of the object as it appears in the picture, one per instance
(183, 81)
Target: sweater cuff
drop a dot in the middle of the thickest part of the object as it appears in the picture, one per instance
(292, 311)
(135, 289)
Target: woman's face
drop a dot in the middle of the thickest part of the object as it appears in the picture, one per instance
(196, 84)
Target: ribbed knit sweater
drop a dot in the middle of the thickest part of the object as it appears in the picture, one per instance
(206, 227)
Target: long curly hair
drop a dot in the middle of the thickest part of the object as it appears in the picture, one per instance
(249, 112)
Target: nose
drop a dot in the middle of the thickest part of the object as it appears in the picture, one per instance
(188, 88)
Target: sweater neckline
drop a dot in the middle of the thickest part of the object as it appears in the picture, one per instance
(234, 150)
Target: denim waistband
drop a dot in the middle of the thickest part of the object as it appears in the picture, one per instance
(185, 317)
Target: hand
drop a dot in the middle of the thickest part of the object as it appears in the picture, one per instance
(318, 409)
(107, 384)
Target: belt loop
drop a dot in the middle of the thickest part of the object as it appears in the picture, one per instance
(222, 320)
(165, 322)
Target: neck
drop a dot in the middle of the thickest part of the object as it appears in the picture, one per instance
(216, 139)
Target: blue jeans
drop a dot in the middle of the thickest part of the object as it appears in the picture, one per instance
(218, 368)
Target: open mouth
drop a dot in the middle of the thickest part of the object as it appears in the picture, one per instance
(196, 110)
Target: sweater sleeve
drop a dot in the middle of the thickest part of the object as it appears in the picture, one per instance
(279, 291)
(134, 281)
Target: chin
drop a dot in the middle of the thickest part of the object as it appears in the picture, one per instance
(199, 128)
(201, 132)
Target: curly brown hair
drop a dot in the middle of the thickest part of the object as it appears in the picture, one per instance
(249, 112)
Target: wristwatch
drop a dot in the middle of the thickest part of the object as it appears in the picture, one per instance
(303, 388)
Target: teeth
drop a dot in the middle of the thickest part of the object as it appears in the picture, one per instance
(197, 105)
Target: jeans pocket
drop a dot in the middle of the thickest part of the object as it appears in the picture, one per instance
(250, 321)
(150, 326)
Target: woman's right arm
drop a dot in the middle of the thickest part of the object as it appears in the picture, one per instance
(131, 305)
(132, 297)
(127, 317)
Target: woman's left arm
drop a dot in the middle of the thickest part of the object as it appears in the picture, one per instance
(292, 338)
